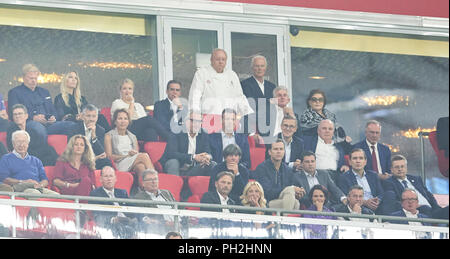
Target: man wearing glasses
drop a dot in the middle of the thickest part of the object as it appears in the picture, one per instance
(190, 154)
(410, 203)
(400, 181)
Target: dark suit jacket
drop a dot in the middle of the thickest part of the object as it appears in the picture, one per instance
(179, 149)
(310, 144)
(325, 180)
(266, 175)
(442, 129)
(297, 148)
(348, 179)
(344, 209)
(103, 218)
(401, 213)
(384, 154)
(213, 198)
(239, 181)
(215, 142)
(163, 113)
(392, 184)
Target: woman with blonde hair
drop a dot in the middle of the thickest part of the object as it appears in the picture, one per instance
(143, 126)
(253, 196)
(74, 170)
(69, 103)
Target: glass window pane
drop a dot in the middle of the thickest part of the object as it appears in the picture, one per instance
(244, 46)
(190, 49)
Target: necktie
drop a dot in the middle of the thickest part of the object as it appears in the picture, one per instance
(374, 160)
(405, 183)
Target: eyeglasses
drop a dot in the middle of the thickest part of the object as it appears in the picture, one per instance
(18, 114)
(151, 180)
(410, 199)
(288, 126)
(314, 99)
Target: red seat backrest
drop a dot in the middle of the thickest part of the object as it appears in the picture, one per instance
(58, 142)
(3, 139)
(257, 156)
(106, 111)
(443, 162)
(124, 180)
(155, 150)
(199, 185)
(170, 182)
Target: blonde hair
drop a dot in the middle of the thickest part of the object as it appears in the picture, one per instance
(88, 157)
(262, 201)
(29, 68)
(126, 81)
(76, 92)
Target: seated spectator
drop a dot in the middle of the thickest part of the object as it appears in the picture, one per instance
(121, 225)
(329, 154)
(22, 171)
(190, 153)
(171, 110)
(143, 126)
(278, 181)
(318, 197)
(309, 176)
(410, 203)
(375, 198)
(224, 184)
(69, 103)
(232, 155)
(294, 145)
(74, 171)
(401, 180)
(87, 126)
(218, 141)
(38, 146)
(121, 146)
(279, 107)
(154, 223)
(355, 198)
(253, 196)
(41, 112)
(378, 155)
(173, 235)
(4, 123)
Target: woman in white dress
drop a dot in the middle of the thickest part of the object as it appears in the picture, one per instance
(122, 147)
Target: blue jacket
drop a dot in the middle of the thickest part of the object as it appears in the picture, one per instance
(215, 142)
(384, 154)
(348, 179)
(21, 169)
(103, 218)
(37, 102)
(401, 213)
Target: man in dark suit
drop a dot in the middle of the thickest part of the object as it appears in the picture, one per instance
(154, 223)
(224, 184)
(170, 110)
(410, 203)
(373, 191)
(310, 176)
(228, 135)
(329, 155)
(190, 153)
(378, 155)
(95, 134)
(257, 89)
(120, 225)
(293, 145)
(355, 198)
(277, 179)
(401, 180)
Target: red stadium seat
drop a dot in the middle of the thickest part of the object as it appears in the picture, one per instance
(173, 183)
(155, 150)
(106, 111)
(49, 171)
(199, 185)
(257, 156)
(3, 139)
(124, 180)
(443, 162)
(59, 142)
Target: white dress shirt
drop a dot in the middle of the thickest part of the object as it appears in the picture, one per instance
(224, 201)
(327, 155)
(362, 181)
(212, 92)
(111, 195)
(312, 179)
(159, 197)
(227, 140)
(287, 152)
(422, 200)
(261, 85)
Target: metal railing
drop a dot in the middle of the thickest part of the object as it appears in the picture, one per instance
(277, 216)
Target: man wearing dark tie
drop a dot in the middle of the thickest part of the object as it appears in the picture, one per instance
(378, 155)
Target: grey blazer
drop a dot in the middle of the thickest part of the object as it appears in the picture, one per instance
(142, 195)
(324, 179)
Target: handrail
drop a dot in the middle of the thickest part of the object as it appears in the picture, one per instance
(179, 205)
(422, 134)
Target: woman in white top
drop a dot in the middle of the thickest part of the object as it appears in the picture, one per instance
(122, 147)
(145, 127)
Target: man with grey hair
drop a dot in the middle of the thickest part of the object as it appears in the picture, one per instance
(95, 133)
(21, 171)
(378, 155)
(232, 155)
(215, 88)
(259, 89)
(154, 222)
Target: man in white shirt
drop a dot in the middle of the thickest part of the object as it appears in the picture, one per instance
(171, 111)
(215, 88)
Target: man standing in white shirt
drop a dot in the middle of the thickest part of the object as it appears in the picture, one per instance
(215, 88)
